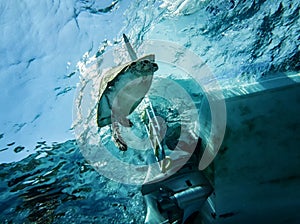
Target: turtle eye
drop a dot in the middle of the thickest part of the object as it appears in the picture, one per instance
(133, 64)
(154, 67)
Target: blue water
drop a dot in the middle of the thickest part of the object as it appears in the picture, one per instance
(43, 176)
(56, 185)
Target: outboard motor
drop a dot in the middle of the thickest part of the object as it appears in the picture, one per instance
(179, 198)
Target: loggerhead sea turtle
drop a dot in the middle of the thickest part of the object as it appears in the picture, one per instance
(122, 89)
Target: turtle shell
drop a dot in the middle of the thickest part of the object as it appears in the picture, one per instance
(122, 88)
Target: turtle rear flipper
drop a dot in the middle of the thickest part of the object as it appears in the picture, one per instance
(130, 50)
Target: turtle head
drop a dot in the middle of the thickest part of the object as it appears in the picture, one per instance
(144, 66)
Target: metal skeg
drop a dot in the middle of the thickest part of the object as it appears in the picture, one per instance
(152, 127)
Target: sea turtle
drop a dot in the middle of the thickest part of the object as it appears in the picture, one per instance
(122, 89)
